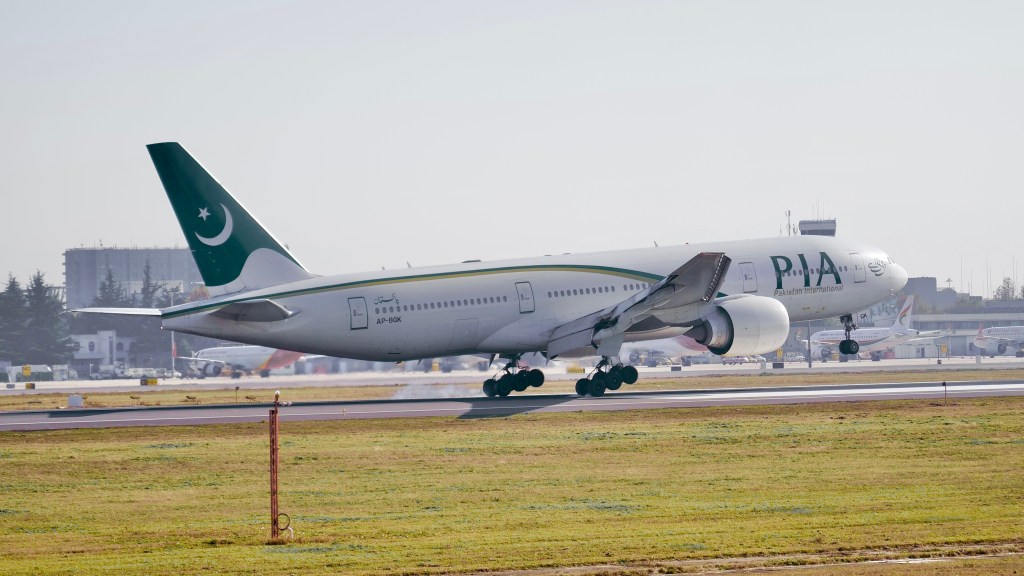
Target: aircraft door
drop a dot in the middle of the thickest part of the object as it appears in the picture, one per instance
(859, 270)
(358, 319)
(525, 291)
(749, 277)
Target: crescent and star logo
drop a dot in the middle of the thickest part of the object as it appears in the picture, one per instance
(221, 238)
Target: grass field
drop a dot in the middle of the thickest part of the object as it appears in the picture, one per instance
(164, 396)
(658, 490)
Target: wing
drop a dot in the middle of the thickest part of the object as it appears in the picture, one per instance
(695, 282)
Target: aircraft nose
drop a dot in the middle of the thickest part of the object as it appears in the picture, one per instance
(898, 277)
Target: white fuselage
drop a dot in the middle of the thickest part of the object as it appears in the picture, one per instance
(515, 305)
(991, 339)
(869, 339)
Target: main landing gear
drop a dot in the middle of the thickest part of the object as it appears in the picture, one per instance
(606, 377)
(848, 346)
(513, 378)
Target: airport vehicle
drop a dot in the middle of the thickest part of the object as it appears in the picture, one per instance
(873, 340)
(239, 359)
(562, 306)
(998, 339)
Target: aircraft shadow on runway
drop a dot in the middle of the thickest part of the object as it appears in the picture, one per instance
(510, 406)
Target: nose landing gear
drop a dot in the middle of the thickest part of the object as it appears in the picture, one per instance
(606, 377)
(849, 345)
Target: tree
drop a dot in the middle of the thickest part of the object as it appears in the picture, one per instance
(111, 293)
(150, 289)
(1006, 291)
(46, 338)
(13, 314)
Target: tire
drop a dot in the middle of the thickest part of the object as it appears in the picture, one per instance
(490, 387)
(597, 386)
(535, 377)
(505, 385)
(629, 374)
(521, 381)
(582, 387)
(853, 347)
(613, 380)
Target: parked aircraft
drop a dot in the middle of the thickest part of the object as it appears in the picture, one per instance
(573, 304)
(250, 359)
(997, 339)
(874, 340)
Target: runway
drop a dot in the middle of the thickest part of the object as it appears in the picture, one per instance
(497, 407)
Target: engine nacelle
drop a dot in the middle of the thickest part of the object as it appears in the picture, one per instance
(212, 369)
(742, 325)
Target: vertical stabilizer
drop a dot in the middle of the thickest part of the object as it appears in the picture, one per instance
(233, 251)
(903, 319)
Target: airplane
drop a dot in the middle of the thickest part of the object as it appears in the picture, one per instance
(561, 306)
(251, 359)
(997, 339)
(874, 340)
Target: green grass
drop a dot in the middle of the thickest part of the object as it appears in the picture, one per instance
(459, 495)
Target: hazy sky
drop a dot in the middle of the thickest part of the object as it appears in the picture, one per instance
(369, 134)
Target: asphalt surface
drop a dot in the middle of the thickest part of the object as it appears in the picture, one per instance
(497, 407)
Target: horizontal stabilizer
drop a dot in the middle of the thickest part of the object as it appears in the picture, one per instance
(120, 311)
(254, 311)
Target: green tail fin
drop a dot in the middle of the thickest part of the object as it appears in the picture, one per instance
(232, 249)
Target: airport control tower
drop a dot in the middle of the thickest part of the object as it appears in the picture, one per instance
(818, 227)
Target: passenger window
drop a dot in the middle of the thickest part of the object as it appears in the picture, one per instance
(376, 310)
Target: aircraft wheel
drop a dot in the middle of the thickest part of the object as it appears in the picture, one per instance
(535, 377)
(505, 385)
(597, 385)
(613, 379)
(582, 387)
(490, 387)
(852, 347)
(629, 374)
(520, 381)
(264, 373)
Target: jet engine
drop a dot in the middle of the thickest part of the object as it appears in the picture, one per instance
(743, 325)
(212, 369)
(1001, 347)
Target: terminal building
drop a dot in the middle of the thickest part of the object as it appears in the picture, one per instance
(86, 268)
